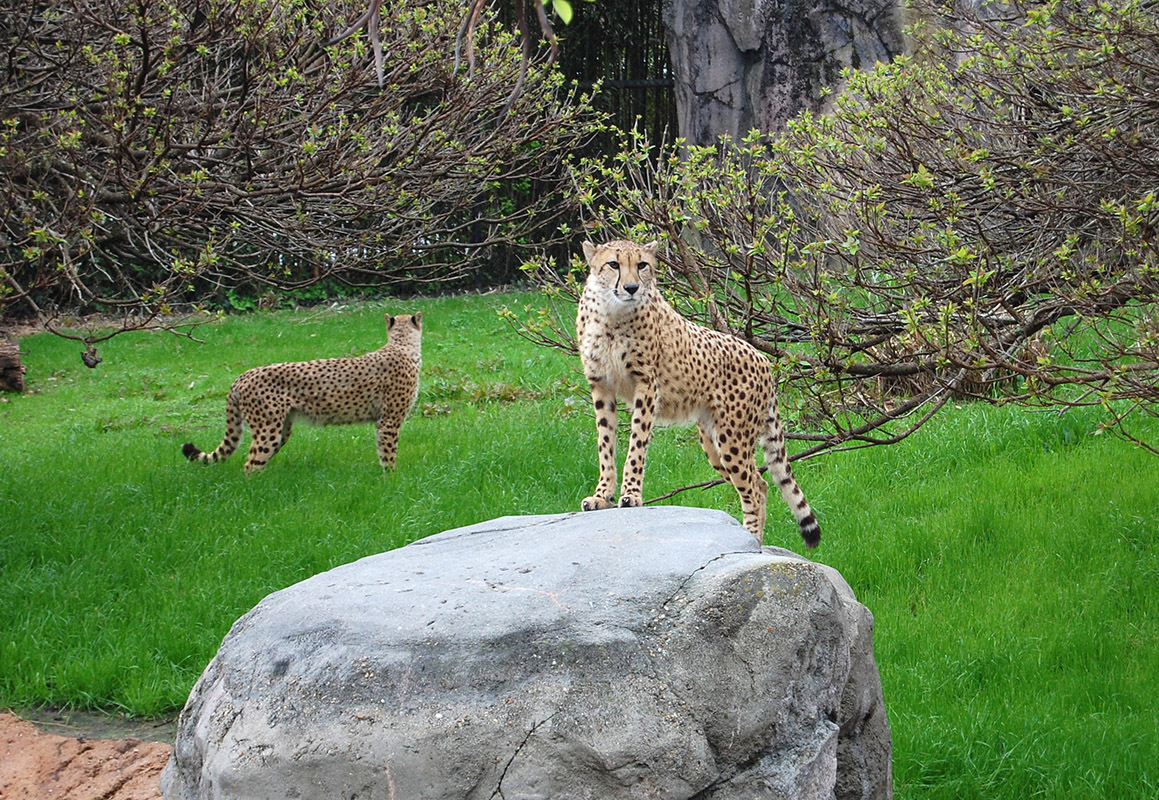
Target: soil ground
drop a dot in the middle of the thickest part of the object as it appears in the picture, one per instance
(60, 755)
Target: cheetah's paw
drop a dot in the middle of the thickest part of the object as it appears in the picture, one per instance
(631, 501)
(597, 503)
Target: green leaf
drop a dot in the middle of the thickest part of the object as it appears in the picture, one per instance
(563, 10)
(921, 178)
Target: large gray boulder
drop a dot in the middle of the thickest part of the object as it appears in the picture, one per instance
(628, 653)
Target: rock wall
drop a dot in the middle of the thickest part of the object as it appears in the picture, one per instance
(629, 653)
(744, 64)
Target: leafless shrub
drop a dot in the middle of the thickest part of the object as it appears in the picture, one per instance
(154, 151)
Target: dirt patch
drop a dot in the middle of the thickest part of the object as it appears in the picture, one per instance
(16, 329)
(38, 765)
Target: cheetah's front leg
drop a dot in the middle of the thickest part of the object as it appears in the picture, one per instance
(386, 437)
(604, 402)
(643, 413)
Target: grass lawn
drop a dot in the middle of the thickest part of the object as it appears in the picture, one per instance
(1009, 558)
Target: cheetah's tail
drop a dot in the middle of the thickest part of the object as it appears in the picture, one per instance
(777, 459)
(233, 427)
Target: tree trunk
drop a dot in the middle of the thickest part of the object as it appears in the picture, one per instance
(744, 64)
(11, 370)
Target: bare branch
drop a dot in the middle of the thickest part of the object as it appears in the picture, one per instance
(159, 155)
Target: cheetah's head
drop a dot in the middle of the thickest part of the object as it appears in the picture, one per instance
(404, 329)
(620, 271)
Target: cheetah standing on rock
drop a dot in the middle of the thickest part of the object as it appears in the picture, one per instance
(378, 387)
(636, 347)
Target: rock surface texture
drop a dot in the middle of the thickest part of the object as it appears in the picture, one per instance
(628, 653)
(743, 64)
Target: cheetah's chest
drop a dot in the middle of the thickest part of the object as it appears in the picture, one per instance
(627, 362)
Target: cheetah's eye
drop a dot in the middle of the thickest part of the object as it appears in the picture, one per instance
(643, 265)
(614, 265)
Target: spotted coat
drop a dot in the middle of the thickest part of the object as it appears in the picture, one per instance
(635, 347)
(379, 387)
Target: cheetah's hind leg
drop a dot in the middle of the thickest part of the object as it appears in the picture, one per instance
(268, 439)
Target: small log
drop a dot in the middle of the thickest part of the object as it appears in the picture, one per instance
(11, 370)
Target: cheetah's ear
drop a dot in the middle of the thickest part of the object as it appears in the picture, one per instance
(589, 250)
(652, 246)
(389, 321)
(417, 320)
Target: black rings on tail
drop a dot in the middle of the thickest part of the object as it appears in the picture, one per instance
(810, 531)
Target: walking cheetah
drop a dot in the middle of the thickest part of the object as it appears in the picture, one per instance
(635, 346)
(378, 387)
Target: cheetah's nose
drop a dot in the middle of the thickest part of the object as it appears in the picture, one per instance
(631, 288)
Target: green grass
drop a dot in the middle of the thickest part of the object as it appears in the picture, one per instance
(1008, 557)
(1016, 604)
